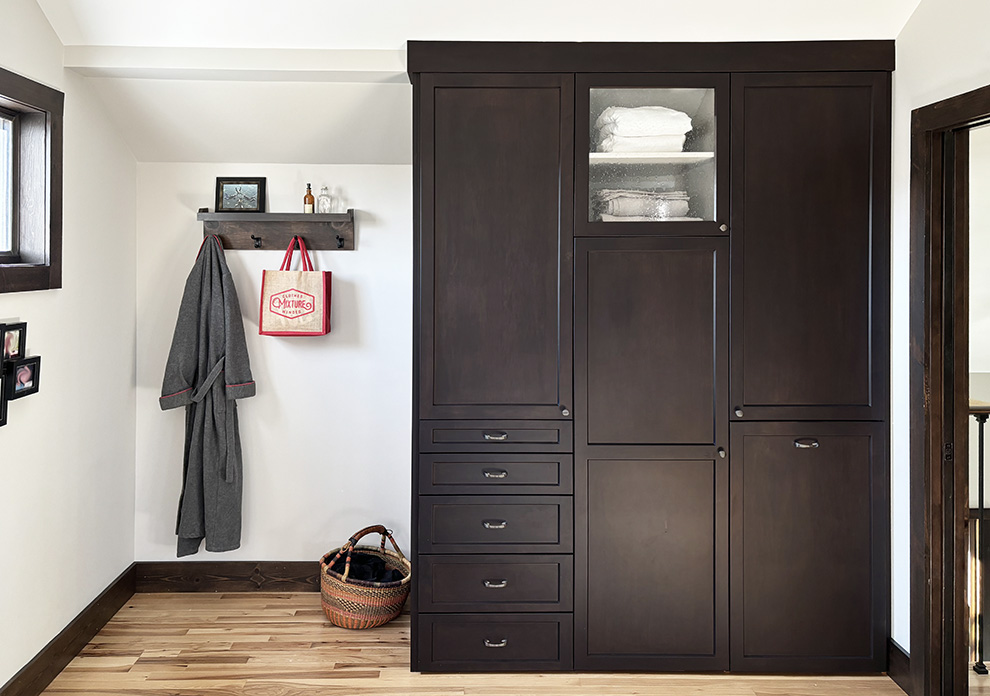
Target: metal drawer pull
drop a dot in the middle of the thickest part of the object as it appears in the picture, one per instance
(496, 584)
(495, 524)
(500, 644)
(496, 437)
(496, 473)
(806, 443)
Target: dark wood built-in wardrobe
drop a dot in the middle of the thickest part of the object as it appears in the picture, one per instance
(651, 356)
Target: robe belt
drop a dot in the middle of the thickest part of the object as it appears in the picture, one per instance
(198, 396)
(205, 387)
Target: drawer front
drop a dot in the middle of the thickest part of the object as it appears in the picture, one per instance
(496, 436)
(496, 473)
(489, 643)
(495, 583)
(490, 524)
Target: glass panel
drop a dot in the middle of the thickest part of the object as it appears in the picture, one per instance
(652, 154)
(979, 361)
(6, 182)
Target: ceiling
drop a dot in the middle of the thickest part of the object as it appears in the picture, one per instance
(388, 24)
(292, 66)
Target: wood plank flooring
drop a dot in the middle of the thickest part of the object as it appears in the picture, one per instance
(259, 644)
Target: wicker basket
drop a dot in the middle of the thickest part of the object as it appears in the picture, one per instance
(360, 603)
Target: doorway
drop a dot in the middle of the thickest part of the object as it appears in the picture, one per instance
(944, 138)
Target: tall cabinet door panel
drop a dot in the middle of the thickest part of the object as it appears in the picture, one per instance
(496, 193)
(810, 157)
(652, 568)
(809, 534)
(651, 342)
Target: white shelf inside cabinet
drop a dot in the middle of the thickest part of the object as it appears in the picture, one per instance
(649, 157)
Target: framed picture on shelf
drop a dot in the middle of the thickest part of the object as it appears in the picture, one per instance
(14, 340)
(240, 195)
(23, 377)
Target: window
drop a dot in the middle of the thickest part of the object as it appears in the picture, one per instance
(30, 184)
(7, 170)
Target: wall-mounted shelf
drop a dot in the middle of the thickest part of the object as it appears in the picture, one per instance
(273, 231)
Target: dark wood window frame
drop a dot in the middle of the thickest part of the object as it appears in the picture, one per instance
(939, 390)
(36, 262)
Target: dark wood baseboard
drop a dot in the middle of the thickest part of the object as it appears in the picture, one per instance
(46, 665)
(899, 666)
(228, 576)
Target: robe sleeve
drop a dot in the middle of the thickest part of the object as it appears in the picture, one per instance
(237, 365)
(181, 367)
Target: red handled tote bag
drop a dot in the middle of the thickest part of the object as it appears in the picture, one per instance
(295, 303)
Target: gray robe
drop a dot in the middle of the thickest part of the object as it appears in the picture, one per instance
(208, 368)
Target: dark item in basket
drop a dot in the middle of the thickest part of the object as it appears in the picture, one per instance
(350, 602)
(365, 566)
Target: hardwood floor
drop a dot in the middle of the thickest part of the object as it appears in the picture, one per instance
(259, 644)
(979, 684)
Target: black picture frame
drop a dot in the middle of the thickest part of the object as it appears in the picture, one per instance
(20, 331)
(14, 371)
(244, 194)
(3, 398)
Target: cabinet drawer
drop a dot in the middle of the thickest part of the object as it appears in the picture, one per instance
(490, 643)
(496, 473)
(495, 583)
(495, 524)
(496, 436)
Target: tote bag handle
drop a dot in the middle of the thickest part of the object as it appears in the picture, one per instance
(307, 263)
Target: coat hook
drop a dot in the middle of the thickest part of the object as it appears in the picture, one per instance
(340, 242)
(257, 241)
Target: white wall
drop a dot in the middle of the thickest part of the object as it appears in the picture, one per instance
(327, 438)
(67, 468)
(942, 51)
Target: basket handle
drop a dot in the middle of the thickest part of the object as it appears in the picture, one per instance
(352, 542)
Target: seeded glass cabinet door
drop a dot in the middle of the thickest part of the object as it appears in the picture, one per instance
(652, 154)
(495, 247)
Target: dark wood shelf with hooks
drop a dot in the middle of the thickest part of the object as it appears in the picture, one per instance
(273, 231)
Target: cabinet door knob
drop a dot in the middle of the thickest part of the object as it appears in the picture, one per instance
(496, 473)
(723, 228)
(496, 437)
(495, 524)
(564, 411)
(496, 584)
(496, 643)
(739, 412)
(721, 453)
(806, 443)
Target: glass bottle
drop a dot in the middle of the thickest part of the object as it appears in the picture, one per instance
(308, 199)
(324, 202)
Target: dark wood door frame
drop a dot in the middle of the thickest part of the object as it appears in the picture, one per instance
(939, 390)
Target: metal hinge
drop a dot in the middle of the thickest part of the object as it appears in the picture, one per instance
(947, 452)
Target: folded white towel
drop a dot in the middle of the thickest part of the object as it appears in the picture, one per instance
(642, 120)
(642, 218)
(653, 208)
(609, 194)
(643, 143)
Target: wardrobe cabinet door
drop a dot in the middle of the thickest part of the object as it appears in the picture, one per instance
(810, 230)
(652, 564)
(495, 226)
(809, 547)
(651, 349)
